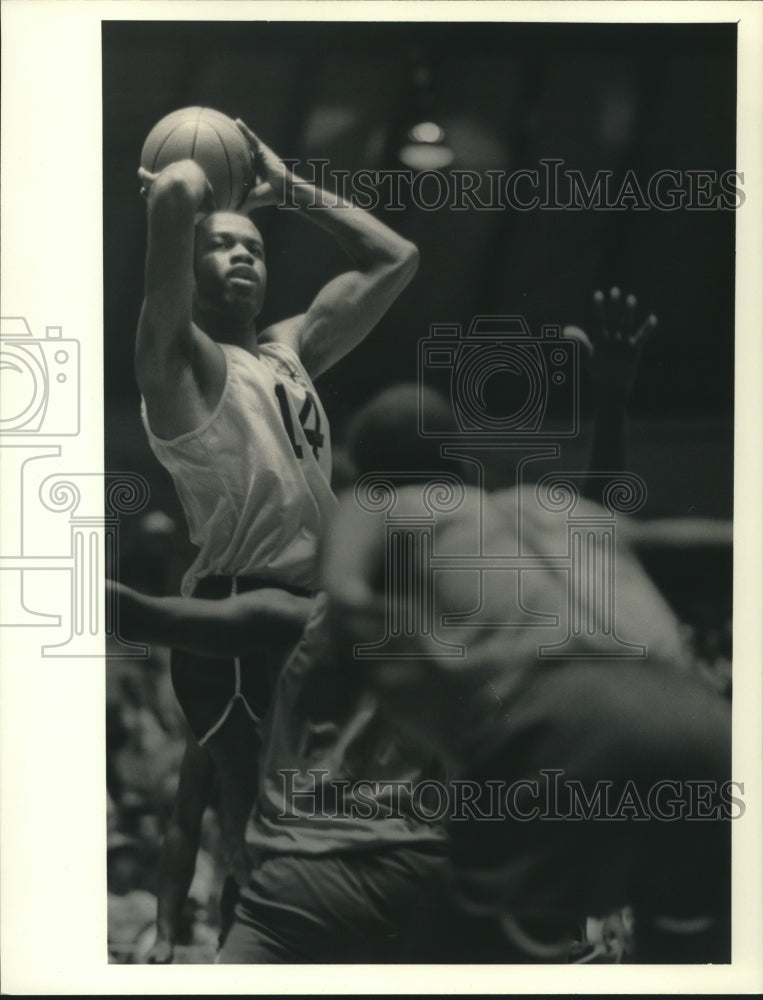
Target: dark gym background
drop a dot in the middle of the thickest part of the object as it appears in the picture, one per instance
(600, 97)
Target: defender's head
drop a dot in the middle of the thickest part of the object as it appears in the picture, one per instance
(229, 267)
(383, 436)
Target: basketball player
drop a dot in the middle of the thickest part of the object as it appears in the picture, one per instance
(231, 412)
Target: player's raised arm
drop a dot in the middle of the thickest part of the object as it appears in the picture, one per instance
(613, 351)
(349, 306)
(173, 198)
(169, 348)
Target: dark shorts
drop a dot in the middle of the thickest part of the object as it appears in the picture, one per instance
(355, 907)
(617, 732)
(207, 688)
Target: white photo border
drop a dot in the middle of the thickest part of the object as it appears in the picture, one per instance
(52, 766)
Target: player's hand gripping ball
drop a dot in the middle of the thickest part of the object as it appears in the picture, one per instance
(210, 139)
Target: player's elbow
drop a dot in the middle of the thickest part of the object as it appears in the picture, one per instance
(408, 260)
(400, 266)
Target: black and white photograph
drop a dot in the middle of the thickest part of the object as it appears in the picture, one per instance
(385, 512)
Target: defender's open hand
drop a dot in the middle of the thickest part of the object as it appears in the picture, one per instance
(614, 347)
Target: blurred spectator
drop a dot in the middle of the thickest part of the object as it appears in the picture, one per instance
(131, 908)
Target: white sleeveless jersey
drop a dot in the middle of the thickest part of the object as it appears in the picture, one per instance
(254, 478)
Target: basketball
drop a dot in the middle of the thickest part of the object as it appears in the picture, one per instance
(210, 139)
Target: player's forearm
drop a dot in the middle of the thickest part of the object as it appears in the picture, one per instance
(243, 623)
(144, 618)
(232, 626)
(366, 240)
(164, 341)
(607, 452)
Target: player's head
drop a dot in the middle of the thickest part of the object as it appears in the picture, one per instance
(383, 436)
(229, 267)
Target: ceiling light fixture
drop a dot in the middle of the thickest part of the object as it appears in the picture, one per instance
(423, 144)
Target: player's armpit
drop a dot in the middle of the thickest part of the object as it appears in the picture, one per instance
(181, 382)
(285, 331)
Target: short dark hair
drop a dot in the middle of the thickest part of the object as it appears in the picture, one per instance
(383, 436)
